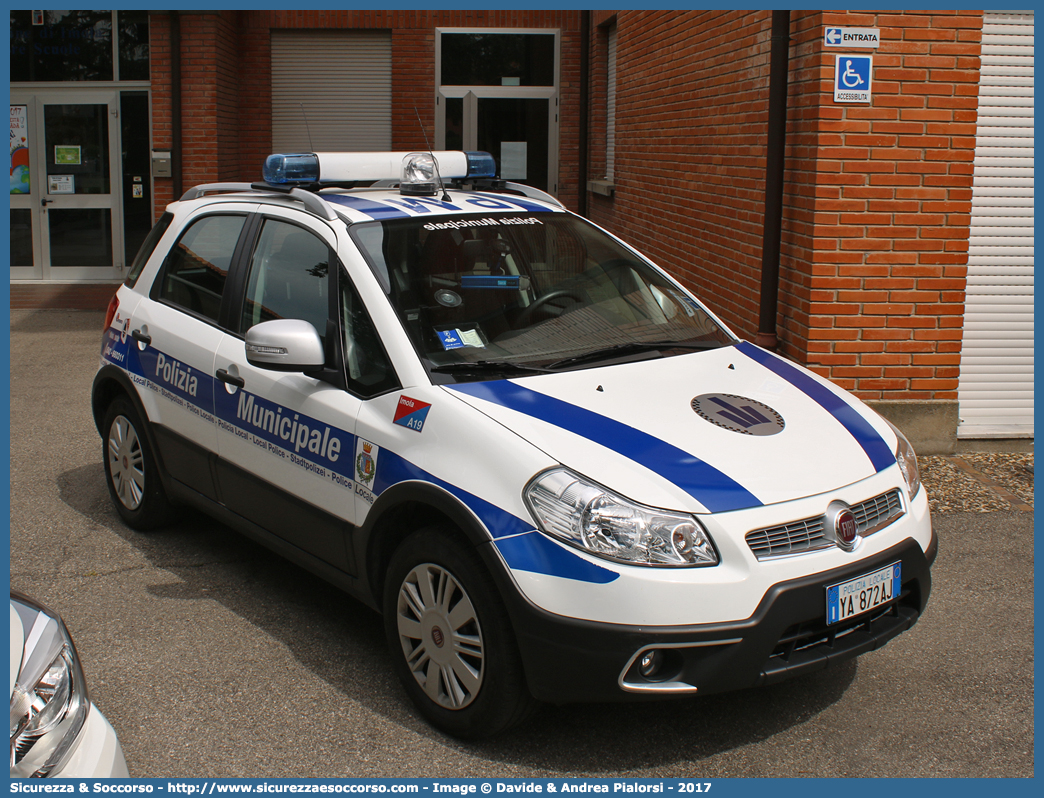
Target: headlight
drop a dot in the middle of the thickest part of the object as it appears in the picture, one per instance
(49, 702)
(600, 522)
(907, 460)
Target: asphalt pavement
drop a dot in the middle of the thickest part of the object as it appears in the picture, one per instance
(214, 658)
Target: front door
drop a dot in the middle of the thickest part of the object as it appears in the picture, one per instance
(65, 186)
(287, 440)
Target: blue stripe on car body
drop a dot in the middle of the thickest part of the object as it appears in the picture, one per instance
(880, 454)
(709, 486)
(521, 546)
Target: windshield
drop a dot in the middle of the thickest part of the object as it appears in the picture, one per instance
(547, 291)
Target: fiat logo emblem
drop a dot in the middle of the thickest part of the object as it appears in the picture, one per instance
(845, 526)
(438, 637)
(841, 525)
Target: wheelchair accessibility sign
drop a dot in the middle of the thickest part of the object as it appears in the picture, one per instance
(852, 76)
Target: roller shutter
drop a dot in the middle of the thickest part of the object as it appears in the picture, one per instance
(343, 79)
(996, 379)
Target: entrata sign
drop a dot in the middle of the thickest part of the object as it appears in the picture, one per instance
(852, 37)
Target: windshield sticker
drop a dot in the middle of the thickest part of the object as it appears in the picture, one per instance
(450, 339)
(485, 222)
(458, 339)
(471, 338)
(411, 413)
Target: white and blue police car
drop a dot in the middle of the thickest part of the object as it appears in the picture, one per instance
(554, 471)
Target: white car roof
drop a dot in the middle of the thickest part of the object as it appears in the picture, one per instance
(379, 204)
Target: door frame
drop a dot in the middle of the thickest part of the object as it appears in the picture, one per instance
(472, 94)
(36, 99)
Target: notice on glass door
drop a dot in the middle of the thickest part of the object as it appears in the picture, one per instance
(19, 149)
(513, 160)
(61, 184)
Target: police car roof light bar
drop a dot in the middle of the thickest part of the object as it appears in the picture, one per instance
(337, 167)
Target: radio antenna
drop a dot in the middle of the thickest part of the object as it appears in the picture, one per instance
(308, 130)
(434, 160)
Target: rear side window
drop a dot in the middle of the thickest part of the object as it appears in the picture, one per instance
(196, 269)
(148, 246)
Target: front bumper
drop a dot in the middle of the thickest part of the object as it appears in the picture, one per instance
(570, 660)
(97, 754)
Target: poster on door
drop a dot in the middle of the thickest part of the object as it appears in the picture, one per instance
(19, 149)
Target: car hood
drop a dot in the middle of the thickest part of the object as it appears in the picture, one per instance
(728, 428)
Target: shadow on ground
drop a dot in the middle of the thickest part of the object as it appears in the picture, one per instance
(341, 641)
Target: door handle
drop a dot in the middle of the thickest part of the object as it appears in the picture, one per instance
(45, 202)
(141, 337)
(231, 379)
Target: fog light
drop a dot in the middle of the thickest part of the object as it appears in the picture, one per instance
(650, 663)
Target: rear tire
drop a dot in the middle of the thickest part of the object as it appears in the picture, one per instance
(450, 637)
(130, 469)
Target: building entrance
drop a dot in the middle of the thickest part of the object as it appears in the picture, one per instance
(64, 209)
(498, 92)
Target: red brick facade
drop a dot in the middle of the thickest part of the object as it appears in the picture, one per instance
(877, 197)
(879, 239)
(226, 83)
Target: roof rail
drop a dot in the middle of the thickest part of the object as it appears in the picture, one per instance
(533, 193)
(213, 188)
(312, 202)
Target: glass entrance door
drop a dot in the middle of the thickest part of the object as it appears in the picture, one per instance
(498, 92)
(517, 131)
(65, 201)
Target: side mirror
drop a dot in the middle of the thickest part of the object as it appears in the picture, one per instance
(285, 345)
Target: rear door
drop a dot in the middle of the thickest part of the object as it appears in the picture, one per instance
(176, 333)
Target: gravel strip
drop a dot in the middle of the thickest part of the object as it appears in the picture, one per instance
(978, 482)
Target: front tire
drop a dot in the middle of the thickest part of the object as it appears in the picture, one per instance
(130, 469)
(450, 637)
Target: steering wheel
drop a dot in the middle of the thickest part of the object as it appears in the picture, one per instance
(539, 303)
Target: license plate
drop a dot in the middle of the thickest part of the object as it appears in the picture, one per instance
(856, 596)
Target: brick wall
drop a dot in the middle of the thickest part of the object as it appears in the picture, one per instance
(878, 205)
(226, 83)
(877, 197)
(691, 117)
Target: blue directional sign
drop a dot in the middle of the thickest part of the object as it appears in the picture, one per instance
(852, 77)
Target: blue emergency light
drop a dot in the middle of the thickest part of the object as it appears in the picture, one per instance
(415, 170)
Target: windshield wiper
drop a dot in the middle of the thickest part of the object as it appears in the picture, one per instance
(487, 367)
(631, 348)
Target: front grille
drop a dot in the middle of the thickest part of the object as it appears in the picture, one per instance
(810, 534)
(878, 512)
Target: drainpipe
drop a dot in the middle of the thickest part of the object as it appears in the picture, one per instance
(774, 167)
(175, 102)
(585, 82)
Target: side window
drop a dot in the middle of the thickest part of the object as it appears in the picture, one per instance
(148, 246)
(369, 371)
(289, 277)
(194, 272)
